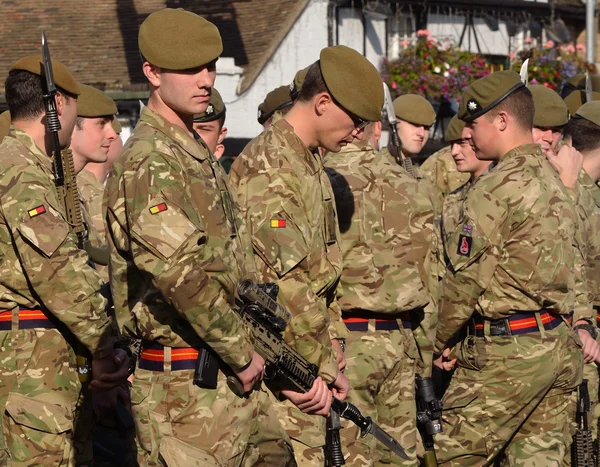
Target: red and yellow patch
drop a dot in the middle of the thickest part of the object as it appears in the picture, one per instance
(158, 208)
(277, 223)
(37, 211)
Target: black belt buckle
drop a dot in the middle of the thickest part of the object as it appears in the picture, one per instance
(500, 327)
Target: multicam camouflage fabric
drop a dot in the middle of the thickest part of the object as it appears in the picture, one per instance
(440, 170)
(515, 233)
(287, 201)
(178, 250)
(42, 268)
(386, 228)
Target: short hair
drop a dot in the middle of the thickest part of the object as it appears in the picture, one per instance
(24, 95)
(313, 83)
(518, 105)
(584, 134)
(221, 121)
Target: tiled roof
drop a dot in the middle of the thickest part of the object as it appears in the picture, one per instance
(97, 39)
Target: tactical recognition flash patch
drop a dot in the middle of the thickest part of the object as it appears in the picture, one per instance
(277, 223)
(464, 245)
(467, 228)
(158, 208)
(37, 211)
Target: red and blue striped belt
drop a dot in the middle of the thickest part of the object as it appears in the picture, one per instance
(152, 357)
(28, 319)
(597, 309)
(517, 324)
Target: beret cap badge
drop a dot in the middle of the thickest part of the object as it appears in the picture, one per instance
(472, 105)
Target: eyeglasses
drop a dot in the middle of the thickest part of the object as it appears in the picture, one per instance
(359, 123)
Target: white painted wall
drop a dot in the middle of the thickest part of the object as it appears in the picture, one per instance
(299, 49)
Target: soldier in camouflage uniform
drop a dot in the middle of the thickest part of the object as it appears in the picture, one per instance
(278, 101)
(4, 124)
(51, 298)
(210, 126)
(440, 170)
(386, 226)
(511, 283)
(178, 250)
(290, 209)
(551, 115)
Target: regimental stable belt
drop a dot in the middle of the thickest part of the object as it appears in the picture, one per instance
(362, 324)
(154, 357)
(517, 324)
(28, 319)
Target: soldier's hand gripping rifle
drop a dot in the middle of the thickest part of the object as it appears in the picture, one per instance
(429, 414)
(582, 450)
(65, 178)
(285, 369)
(390, 115)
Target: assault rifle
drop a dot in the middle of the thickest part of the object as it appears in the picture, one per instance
(582, 451)
(65, 178)
(285, 369)
(429, 414)
(390, 116)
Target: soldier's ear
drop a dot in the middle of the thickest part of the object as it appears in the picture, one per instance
(153, 73)
(502, 120)
(322, 102)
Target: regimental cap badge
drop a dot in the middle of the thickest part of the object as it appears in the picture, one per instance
(259, 114)
(210, 110)
(473, 106)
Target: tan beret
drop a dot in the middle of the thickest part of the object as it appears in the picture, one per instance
(486, 93)
(277, 99)
(353, 81)
(578, 81)
(93, 103)
(577, 98)
(550, 109)
(62, 77)
(116, 125)
(414, 109)
(454, 130)
(214, 110)
(590, 111)
(298, 80)
(176, 39)
(4, 124)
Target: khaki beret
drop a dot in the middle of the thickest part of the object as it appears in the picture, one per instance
(93, 103)
(214, 110)
(353, 81)
(298, 80)
(276, 100)
(577, 98)
(454, 130)
(550, 109)
(590, 111)
(578, 81)
(176, 39)
(486, 93)
(414, 109)
(4, 124)
(62, 77)
(116, 125)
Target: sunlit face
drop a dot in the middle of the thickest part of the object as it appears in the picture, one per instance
(210, 132)
(92, 139)
(547, 137)
(481, 135)
(115, 149)
(67, 119)
(412, 137)
(187, 91)
(465, 158)
(338, 127)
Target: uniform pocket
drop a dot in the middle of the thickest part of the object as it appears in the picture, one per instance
(44, 228)
(176, 453)
(471, 353)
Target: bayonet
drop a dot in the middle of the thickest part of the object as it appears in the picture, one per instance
(525, 72)
(390, 115)
(589, 92)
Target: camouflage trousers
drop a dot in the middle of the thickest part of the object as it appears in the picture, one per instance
(179, 424)
(39, 390)
(512, 397)
(381, 371)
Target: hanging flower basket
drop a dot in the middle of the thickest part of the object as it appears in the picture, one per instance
(437, 70)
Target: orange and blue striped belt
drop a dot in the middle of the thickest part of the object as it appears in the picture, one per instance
(597, 309)
(152, 357)
(514, 325)
(362, 324)
(28, 319)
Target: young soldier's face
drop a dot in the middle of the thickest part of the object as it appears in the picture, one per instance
(92, 139)
(482, 135)
(547, 138)
(338, 128)
(211, 133)
(465, 158)
(188, 91)
(412, 137)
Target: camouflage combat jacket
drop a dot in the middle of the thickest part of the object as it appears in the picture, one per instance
(290, 210)
(440, 170)
(513, 249)
(385, 236)
(178, 245)
(42, 267)
(92, 194)
(589, 213)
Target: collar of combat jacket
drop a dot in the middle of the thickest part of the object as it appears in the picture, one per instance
(195, 147)
(530, 148)
(588, 184)
(313, 161)
(27, 141)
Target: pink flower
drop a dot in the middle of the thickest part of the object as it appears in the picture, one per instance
(423, 32)
(404, 43)
(528, 40)
(549, 44)
(394, 85)
(534, 81)
(581, 47)
(570, 49)
(511, 56)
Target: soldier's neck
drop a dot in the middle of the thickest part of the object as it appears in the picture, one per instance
(300, 119)
(591, 164)
(184, 121)
(509, 140)
(37, 131)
